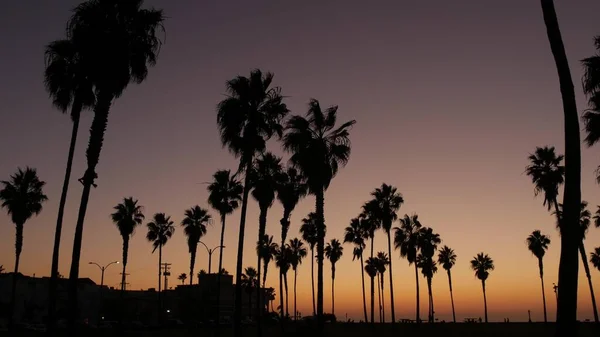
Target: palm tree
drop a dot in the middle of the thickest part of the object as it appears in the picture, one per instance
(591, 87)
(447, 259)
(160, 230)
(406, 238)
(22, 196)
(371, 221)
(182, 277)
(283, 262)
(538, 243)
(568, 267)
(200, 273)
(127, 216)
(117, 42)
(482, 264)
(318, 150)
(388, 201)
(308, 229)
(355, 233)
(266, 249)
(371, 269)
(250, 281)
(1, 269)
(67, 85)
(428, 242)
(194, 227)
(249, 116)
(595, 258)
(333, 252)
(290, 190)
(428, 268)
(297, 254)
(382, 261)
(547, 174)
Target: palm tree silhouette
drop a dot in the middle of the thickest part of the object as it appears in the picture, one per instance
(297, 254)
(447, 259)
(538, 243)
(160, 230)
(250, 282)
(290, 190)
(356, 234)
(282, 260)
(267, 250)
(547, 174)
(127, 216)
(382, 261)
(371, 221)
(595, 258)
(388, 201)
(308, 229)
(1, 269)
(428, 268)
(116, 43)
(249, 116)
(67, 85)
(568, 267)
(482, 264)
(371, 269)
(194, 227)
(333, 251)
(428, 242)
(406, 238)
(591, 87)
(200, 273)
(22, 196)
(182, 277)
(318, 150)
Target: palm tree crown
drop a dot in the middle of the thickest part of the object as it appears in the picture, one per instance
(355, 233)
(538, 243)
(195, 224)
(406, 237)
(482, 264)
(160, 230)
(309, 229)
(265, 178)
(224, 192)
(546, 172)
(127, 216)
(22, 196)
(446, 257)
(292, 187)
(388, 201)
(297, 252)
(591, 87)
(334, 251)
(595, 258)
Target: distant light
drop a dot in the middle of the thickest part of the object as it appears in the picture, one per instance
(168, 311)
(102, 317)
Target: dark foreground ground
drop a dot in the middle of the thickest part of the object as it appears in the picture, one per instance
(359, 330)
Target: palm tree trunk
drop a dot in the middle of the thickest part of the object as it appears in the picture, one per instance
(431, 318)
(320, 210)
(418, 302)
(237, 313)
(287, 302)
(362, 275)
(333, 289)
(159, 284)
(382, 300)
(568, 267)
(52, 289)
(262, 227)
(379, 296)
(295, 307)
(192, 263)
(218, 308)
(250, 304)
(97, 131)
(541, 267)
(372, 299)
(312, 277)
(586, 267)
(281, 294)
(484, 301)
(13, 292)
(451, 296)
(392, 303)
(125, 251)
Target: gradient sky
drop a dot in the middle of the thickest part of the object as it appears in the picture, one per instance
(450, 97)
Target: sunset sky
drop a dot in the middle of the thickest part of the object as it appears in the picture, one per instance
(449, 96)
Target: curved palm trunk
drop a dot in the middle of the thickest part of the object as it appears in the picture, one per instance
(295, 307)
(320, 210)
(287, 302)
(372, 299)
(586, 267)
(333, 289)
(281, 295)
(192, 263)
(362, 276)
(312, 277)
(237, 313)
(541, 266)
(262, 227)
(392, 303)
(75, 116)
(382, 300)
(97, 131)
(218, 308)
(13, 292)
(484, 301)
(418, 301)
(452, 296)
(568, 267)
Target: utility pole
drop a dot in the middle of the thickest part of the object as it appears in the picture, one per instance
(166, 273)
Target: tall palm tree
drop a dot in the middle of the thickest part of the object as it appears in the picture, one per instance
(117, 42)
(182, 277)
(160, 230)
(127, 216)
(67, 85)
(283, 262)
(249, 116)
(308, 229)
(333, 252)
(194, 227)
(447, 259)
(406, 238)
(382, 261)
(224, 195)
(297, 254)
(355, 233)
(266, 248)
(22, 196)
(371, 269)
(538, 243)
(388, 201)
(428, 242)
(318, 150)
(482, 264)
(568, 267)
(428, 268)
(290, 190)
(595, 258)
(250, 282)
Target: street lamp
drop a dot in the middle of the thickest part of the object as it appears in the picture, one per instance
(210, 251)
(103, 268)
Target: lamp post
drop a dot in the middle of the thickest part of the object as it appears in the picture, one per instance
(103, 268)
(210, 251)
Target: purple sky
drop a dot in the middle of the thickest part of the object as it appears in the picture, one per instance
(450, 97)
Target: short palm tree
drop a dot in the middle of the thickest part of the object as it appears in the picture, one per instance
(382, 262)
(250, 283)
(318, 149)
(538, 243)
(160, 230)
(308, 229)
(297, 254)
(127, 216)
(428, 268)
(547, 174)
(282, 260)
(428, 242)
(482, 264)
(195, 225)
(290, 190)
(388, 201)
(266, 249)
(182, 277)
(355, 234)
(333, 252)
(371, 270)
(116, 43)
(22, 196)
(447, 259)
(406, 238)
(595, 258)
(247, 118)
